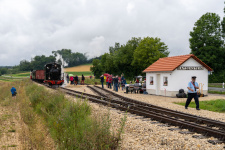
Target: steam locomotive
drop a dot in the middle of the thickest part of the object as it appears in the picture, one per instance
(51, 74)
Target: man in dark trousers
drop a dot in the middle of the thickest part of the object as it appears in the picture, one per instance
(67, 78)
(76, 80)
(192, 93)
(116, 83)
(82, 79)
(102, 81)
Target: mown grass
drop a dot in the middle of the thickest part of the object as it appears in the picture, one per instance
(21, 75)
(70, 122)
(216, 92)
(217, 85)
(92, 81)
(89, 81)
(212, 105)
(9, 79)
(85, 73)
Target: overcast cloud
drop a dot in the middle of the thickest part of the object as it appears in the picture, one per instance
(35, 27)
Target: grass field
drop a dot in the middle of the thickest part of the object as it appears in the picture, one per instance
(216, 92)
(217, 85)
(22, 75)
(213, 105)
(9, 79)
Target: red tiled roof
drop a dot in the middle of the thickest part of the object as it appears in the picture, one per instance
(171, 63)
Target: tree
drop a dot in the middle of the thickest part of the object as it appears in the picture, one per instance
(3, 71)
(223, 23)
(38, 62)
(206, 41)
(124, 57)
(25, 65)
(96, 69)
(72, 59)
(148, 51)
(115, 48)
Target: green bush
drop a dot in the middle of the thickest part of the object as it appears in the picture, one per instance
(218, 77)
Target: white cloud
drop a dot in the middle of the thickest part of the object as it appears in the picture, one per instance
(96, 46)
(130, 8)
(29, 28)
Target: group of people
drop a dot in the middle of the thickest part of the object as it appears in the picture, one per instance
(74, 79)
(114, 81)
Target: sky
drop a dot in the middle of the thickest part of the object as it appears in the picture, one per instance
(38, 27)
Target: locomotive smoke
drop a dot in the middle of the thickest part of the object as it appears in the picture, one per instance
(63, 74)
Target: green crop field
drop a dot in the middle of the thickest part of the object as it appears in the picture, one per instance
(22, 75)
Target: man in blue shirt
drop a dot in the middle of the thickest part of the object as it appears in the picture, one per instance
(192, 93)
(13, 91)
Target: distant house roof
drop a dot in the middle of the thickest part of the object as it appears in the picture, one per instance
(171, 63)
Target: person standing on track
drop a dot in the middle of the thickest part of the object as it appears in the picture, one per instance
(13, 91)
(110, 82)
(82, 79)
(67, 78)
(76, 80)
(113, 83)
(107, 81)
(119, 82)
(102, 81)
(116, 83)
(192, 93)
(71, 79)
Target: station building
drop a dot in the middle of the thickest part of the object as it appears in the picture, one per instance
(167, 75)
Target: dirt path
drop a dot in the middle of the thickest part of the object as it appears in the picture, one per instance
(10, 127)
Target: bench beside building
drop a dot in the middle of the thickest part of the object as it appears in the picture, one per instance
(167, 75)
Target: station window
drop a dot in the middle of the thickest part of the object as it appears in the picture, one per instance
(165, 81)
(151, 81)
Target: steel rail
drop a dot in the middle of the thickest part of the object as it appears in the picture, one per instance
(174, 113)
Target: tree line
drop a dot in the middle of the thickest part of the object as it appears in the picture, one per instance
(37, 63)
(130, 58)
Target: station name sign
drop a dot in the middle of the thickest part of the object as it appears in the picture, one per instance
(190, 68)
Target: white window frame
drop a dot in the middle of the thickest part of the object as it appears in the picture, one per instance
(165, 79)
(151, 80)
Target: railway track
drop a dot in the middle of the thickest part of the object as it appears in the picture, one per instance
(202, 125)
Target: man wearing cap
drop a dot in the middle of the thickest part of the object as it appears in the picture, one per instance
(192, 93)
